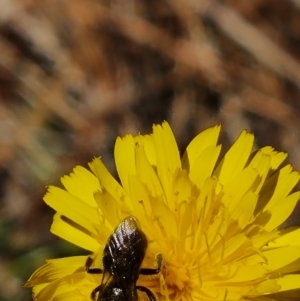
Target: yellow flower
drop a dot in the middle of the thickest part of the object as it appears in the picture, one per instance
(215, 219)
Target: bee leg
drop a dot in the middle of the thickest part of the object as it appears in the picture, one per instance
(95, 291)
(146, 271)
(146, 290)
(90, 270)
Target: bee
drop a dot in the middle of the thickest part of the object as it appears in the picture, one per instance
(122, 259)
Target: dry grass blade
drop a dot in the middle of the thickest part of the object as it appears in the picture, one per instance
(249, 37)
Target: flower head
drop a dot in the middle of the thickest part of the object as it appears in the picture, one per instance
(215, 219)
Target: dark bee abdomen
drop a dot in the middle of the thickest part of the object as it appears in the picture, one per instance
(114, 293)
(125, 249)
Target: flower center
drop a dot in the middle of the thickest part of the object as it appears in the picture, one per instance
(177, 277)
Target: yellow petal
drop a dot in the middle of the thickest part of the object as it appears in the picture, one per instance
(146, 173)
(235, 159)
(289, 295)
(201, 218)
(239, 186)
(37, 288)
(70, 296)
(204, 140)
(262, 239)
(140, 198)
(73, 235)
(125, 159)
(187, 219)
(279, 186)
(55, 269)
(264, 298)
(293, 267)
(282, 211)
(243, 213)
(168, 159)
(148, 144)
(72, 207)
(108, 182)
(212, 292)
(111, 209)
(181, 192)
(276, 157)
(217, 230)
(233, 250)
(289, 282)
(287, 237)
(262, 163)
(165, 217)
(236, 273)
(65, 285)
(82, 183)
(204, 165)
(265, 287)
(277, 258)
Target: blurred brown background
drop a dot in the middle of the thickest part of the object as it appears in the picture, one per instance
(75, 74)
